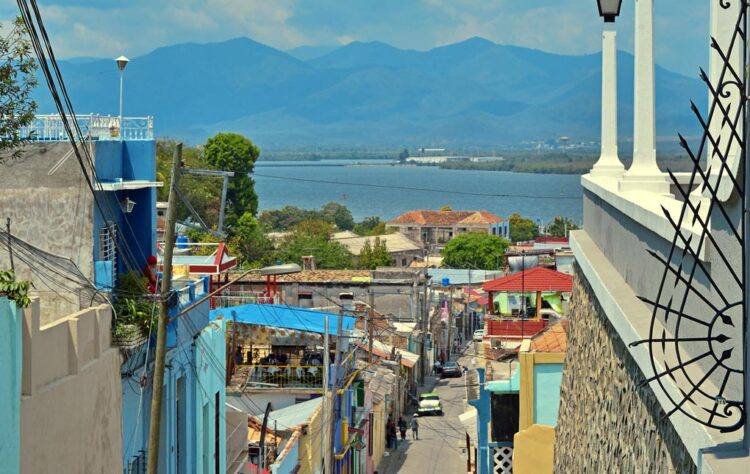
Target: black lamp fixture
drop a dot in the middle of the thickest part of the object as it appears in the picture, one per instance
(609, 9)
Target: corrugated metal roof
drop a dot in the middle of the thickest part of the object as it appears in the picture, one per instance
(288, 317)
(294, 415)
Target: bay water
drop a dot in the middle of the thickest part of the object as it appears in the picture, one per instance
(386, 190)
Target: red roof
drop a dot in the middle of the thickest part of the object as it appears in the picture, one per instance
(446, 218)
(554, 339)
(550, 240)
(536, 279)
(515, 328)
(483, 301)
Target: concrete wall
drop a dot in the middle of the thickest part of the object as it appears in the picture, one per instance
(52, 212)
(309, 444)
(70, 409)
(533, 450)
(607, 421)
(10, 388)
(626, 242)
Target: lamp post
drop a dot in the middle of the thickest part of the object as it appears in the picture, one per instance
(122, 61)
(609, 163)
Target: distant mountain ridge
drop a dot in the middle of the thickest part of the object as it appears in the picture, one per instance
(474, 93)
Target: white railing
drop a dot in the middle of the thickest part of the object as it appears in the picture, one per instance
(98, 127)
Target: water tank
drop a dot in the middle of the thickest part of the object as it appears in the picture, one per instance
(445, 282)
(182, 242)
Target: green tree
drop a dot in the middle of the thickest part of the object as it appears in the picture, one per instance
(339, 215)
(250, 243)
(328, 255)
(475, 251)
(522, 229)
(446, 208)
(233, 152)
(372, 226)
(403, 156)
(374, 256)
(17, 81)
(315, 227)
(561, 226)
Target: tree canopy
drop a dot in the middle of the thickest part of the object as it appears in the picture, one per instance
(375, 255)
(17, 81)
(279, 220)
(475, 251)
(522, 229)
(328, 254)
(560, 227)
(234, 152)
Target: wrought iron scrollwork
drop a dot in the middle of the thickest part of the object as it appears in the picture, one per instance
(700, 349)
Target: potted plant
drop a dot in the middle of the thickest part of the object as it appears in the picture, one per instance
(15, 290)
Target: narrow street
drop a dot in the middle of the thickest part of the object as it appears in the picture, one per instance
(441, 438)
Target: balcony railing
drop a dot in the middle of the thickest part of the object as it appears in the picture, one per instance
(289, 377)
(235, 298)
(96, 127)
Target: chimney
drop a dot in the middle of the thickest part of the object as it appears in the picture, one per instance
(308, 262)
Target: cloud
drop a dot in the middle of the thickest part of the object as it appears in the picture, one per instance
(134, 27)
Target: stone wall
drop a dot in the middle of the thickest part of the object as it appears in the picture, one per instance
(607, 423)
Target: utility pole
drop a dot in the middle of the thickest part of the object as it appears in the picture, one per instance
(161, 331)
(334, 383)
(371, 315)
(10, 245)
(324, 451)
(450, 324)
(425, 317)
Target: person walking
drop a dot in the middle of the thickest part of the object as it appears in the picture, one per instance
(414, 428)
(390, 434)
(402, 428)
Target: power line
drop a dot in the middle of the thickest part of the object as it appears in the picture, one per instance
(409, 188)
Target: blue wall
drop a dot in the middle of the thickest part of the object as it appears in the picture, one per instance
(210, 364)
(11, 356)
(195, 373)
(127, 160)
(547, 381)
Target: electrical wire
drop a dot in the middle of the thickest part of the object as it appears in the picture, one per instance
(411, 188)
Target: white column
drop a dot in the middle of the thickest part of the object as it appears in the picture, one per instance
(609, 163)
(644, 174)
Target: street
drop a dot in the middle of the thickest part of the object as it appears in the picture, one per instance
(441, 438)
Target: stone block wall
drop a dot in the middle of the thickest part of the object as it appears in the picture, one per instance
(607, 423)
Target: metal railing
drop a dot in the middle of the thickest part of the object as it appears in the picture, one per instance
(287, 376)
(235, 298)
(97, 127)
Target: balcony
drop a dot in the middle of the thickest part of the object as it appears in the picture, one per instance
(93, 126)
(274, 377)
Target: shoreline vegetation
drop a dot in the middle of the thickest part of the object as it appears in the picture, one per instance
(533, 161)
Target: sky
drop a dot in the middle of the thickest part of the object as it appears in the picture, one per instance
(109, 28)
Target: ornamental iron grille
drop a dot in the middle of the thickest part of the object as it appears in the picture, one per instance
(697, 325)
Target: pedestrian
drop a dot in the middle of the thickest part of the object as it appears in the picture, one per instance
(390, 434)
(414, 428)
(402, 428)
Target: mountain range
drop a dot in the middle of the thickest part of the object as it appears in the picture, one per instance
(471, 94)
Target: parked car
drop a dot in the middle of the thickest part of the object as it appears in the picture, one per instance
(478, 335)
(429, 404)
(451, 369)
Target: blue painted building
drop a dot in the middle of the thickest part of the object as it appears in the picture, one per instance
(11, 356)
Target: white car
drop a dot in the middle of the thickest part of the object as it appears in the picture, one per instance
(478, 335)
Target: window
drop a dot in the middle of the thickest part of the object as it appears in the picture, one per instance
(107, 239)
(305, 299)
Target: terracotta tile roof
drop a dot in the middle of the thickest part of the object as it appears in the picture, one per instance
(316, 276)
(536, 279)
(438, 218)
(554, 339)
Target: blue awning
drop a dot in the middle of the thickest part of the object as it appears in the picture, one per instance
(287, 317)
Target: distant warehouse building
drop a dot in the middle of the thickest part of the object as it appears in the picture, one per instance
(435, 228)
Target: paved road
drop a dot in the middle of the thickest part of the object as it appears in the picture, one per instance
(441, 438)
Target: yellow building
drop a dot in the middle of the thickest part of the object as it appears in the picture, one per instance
(541, 366)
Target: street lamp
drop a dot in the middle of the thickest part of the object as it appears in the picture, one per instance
(609, 163)
(609, 9)
(122, 61)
